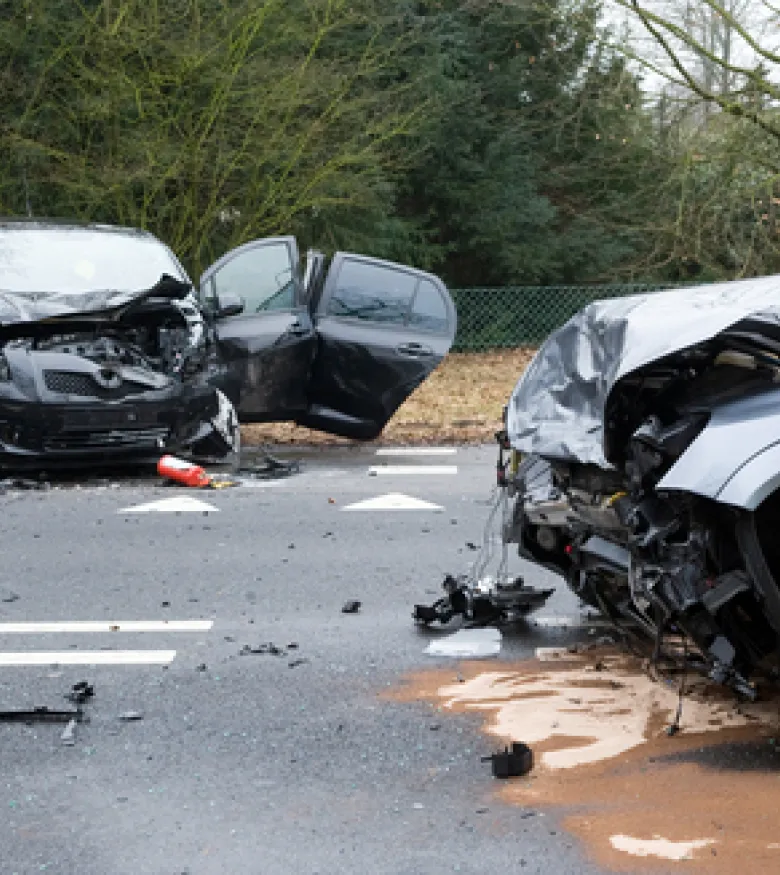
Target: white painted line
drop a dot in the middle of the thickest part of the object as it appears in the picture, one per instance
(179, 504)
(393, 501)
(417, 451)
(88, 657)
(108, 626)
(413, 469)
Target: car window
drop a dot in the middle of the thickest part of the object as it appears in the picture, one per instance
(372, 292)
(261, 276)
(429, 312)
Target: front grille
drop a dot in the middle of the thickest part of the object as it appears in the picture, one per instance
(82, 384)
(131, 438)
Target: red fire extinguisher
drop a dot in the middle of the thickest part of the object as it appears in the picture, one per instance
(183, 472)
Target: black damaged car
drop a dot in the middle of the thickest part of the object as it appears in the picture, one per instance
(110, 353)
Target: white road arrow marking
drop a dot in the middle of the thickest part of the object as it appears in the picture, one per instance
(178, 504)
(393, 501)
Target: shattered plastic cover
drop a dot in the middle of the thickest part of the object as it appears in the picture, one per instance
(557, 407)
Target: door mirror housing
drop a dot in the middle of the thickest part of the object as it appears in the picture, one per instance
(229, 305)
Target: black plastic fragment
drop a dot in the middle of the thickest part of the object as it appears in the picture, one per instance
(351, 607)
(41, 714)
(511, 764)
(81, 692)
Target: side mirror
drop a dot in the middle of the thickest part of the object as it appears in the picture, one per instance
(229, 305)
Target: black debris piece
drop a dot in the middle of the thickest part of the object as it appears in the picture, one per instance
(201, 667)
(270, 649)
(293, 645)
(80, 693)
(270, 468)
(41, 714)
(294, 663)
(511, 764)
(8, 596)
(351, 607)
(166, 604)
(499, 601)
(129, 716)
(471, 545)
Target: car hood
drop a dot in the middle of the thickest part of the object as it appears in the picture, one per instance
(47, 312)
(557, 407)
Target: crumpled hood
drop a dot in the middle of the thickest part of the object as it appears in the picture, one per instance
(557, 407)
(32, 315)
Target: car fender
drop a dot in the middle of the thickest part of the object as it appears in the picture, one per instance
(735, 459)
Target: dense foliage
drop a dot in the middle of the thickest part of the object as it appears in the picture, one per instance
(494, 141)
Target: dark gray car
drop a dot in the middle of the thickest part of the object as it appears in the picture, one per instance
(110, 352)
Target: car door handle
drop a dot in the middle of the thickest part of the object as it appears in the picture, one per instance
(414, 350)
(297, 330)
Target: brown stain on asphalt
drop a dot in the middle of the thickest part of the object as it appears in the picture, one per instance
(634, 808)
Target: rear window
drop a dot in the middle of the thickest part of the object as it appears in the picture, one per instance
(373, 293)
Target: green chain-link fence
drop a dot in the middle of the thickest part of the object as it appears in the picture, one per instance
(514, 316)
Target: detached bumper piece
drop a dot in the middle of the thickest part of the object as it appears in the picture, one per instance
(487, 601)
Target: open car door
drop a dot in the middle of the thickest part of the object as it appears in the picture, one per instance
(265, 335)
(382, 328)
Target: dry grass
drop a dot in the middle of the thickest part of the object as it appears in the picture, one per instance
(460, 403)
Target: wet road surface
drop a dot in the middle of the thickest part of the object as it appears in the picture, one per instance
(266, 762)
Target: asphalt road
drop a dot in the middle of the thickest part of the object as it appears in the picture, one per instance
(241, 763)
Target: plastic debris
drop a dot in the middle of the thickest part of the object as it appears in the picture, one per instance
(41, 714)
(81, 692)
(68, 737)
(467, 644)
(511, 764)
(270, 649)
(351, 607)
(129, 716)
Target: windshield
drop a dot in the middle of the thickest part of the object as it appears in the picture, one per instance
(80, 260)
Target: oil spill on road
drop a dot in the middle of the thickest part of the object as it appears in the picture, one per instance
(704, 799)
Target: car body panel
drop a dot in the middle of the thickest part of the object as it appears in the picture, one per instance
(266, 351)
(375, 348)
(731, 459)
(557, 408)
(321, 365)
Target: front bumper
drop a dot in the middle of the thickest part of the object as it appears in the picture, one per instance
(138, 429)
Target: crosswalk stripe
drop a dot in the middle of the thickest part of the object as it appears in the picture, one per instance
(88, 657)
(107, 626)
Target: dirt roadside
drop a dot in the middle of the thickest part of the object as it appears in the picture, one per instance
(460, 403)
